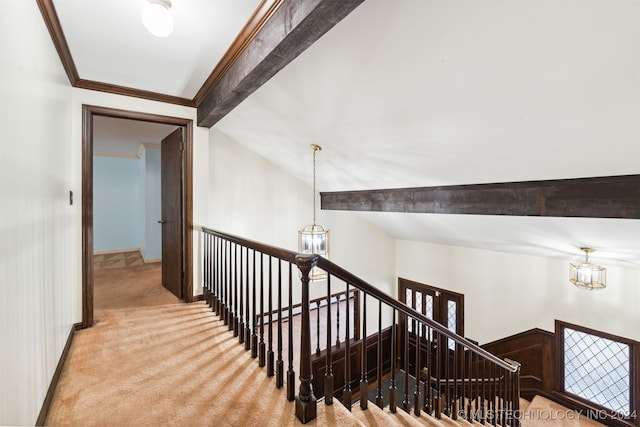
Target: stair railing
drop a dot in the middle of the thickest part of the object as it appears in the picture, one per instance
(451, 375)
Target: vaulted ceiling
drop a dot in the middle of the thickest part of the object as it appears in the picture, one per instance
(409, 93)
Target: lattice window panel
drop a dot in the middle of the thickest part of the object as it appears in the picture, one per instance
(428, 312)
(597, 369)
(451, 321)
(408, 299)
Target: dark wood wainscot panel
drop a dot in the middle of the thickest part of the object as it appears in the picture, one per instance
(318, 364)
(535, 350)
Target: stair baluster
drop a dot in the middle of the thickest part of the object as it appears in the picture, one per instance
(428, 394)
(270, 360)
(263, 355)
(205, 276)
(454, 385)
(241, 301)
(347, 394)
(254, 337)
(416, 392)
(247, 331)
(280, 362)
(392, 386)
(379, 396)
(318, 328)
(438, 398)
(235, 292)
(328, 373)
(226, 284)
(364, 381)
(338, 321)
(291, 376)
(405, 344)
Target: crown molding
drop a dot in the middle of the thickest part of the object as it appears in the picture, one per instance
(50, 17)
(132, 92)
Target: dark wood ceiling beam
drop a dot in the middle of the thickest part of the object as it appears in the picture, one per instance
(599, 197)
(257, 20)
(292, 26)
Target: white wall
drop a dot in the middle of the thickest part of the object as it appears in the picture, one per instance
(38, 241)
(127, 204)
(152, 243)
(506, 293)
(251, 197)
(118, 203)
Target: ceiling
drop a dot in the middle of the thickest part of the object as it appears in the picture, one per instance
(424, 93)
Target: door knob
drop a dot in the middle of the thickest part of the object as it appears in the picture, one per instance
(162, 221)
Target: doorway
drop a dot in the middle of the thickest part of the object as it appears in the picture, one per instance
(183, 198)
(441, 305)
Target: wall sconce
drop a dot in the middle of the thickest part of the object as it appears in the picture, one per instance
(314, 238)
(587, 276)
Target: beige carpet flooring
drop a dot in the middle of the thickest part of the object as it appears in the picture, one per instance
(123, 280)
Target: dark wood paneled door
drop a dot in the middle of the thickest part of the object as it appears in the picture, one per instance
(445, 307)
(172, 223)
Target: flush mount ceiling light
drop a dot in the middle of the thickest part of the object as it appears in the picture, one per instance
(314, 238)
(157, 18)
(587, 276)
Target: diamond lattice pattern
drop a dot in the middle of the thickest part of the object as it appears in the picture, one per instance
(597, 369)
(451, 321)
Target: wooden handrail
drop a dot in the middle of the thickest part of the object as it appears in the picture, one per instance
(283, 254)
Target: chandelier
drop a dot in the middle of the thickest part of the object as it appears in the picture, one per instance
(587, 276)
(314, 238)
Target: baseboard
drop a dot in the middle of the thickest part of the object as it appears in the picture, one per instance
(44, 411)
(117, 251)
(198, 298)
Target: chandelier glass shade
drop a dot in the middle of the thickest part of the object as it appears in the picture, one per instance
(586, 275)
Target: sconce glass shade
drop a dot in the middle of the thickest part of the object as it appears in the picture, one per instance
(157, 18)
(586, 275)
(314, 239)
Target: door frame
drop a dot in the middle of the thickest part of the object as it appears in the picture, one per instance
(88, 112)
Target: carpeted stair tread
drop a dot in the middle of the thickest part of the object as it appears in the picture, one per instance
(544, 412)
(374, 416)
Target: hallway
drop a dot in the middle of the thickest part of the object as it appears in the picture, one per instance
(123, 280)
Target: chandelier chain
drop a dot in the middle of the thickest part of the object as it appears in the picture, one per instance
(314, 187)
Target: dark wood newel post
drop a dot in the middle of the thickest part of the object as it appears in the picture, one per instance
(306, 405)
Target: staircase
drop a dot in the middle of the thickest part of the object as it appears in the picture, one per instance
(252, 288)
